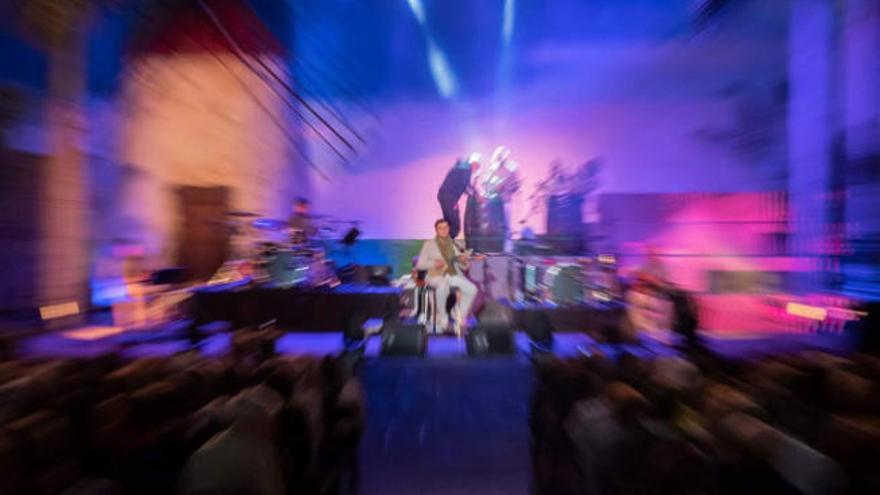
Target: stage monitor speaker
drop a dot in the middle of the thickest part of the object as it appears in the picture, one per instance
(379, 275)
(354, 328)
(484, 340)
(404, 339)
(353, 274)
(539, 328)
(375, 275)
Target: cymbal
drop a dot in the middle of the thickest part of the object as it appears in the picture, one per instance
(269, 224)
(241, 214)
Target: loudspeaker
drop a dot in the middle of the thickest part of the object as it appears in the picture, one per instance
(376, 275)
(354, 328)
(485, 225)
(353, 274)
(404, 339)
(539, 328)
(379, 275)
(485, 340)
(565, 224)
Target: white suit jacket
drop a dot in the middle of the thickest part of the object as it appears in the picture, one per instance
(430, 253)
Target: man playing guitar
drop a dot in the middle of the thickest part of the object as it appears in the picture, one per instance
(445, 263)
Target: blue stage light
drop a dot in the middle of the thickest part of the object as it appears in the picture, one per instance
(507, 25)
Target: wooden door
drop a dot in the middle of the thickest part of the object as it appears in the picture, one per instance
(203, 243)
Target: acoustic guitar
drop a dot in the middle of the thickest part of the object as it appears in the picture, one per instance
(462, 263)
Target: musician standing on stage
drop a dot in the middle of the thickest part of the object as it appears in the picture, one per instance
(444, 260)
(456, 182)
(499, 183)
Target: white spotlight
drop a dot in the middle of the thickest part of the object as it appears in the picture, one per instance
(441, 71)
(418, 10)
(507, 25)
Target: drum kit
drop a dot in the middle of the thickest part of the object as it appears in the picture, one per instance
(268, 251)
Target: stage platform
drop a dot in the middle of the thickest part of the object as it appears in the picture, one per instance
(329, 309)
(94, 340)
(581, 318)
(314, 321)
(314, 309)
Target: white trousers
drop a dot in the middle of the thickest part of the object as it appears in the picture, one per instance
(442, 285)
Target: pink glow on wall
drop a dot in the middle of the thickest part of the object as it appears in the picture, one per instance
(740, 239)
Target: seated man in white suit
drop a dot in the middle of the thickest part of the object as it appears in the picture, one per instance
(444, 261)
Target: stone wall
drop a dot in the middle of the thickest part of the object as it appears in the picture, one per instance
(200, 120)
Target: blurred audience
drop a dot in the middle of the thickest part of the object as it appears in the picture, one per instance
(251, 422)
(805, 423)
